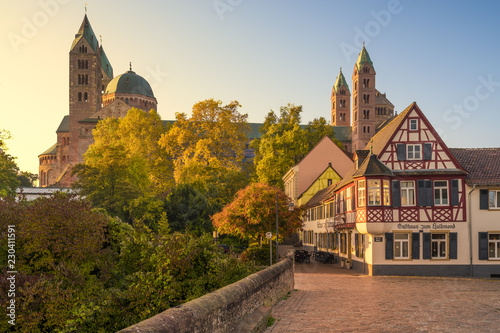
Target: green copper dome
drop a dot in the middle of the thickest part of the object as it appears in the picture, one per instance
(129, 83)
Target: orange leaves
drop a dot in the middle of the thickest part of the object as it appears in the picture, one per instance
(253, 213)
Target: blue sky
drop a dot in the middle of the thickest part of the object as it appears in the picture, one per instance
(265, 54)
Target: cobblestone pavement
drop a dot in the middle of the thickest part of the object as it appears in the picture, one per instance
(328, 298)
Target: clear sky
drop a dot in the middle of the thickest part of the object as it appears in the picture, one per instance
(265, 54)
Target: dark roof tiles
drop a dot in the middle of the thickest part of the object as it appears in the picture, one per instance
(483, 164)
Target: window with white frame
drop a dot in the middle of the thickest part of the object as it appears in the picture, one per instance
(361, 193)
(413, 152)
(408, 193)
(441, 193)
(494, 246)
(413, 124)
(439, 246)
(387, 196)
(341, 202)
(373, 192)
(401, 245)
(494, 199)
(348, 199)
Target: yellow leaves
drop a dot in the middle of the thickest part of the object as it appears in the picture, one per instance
(214, 137)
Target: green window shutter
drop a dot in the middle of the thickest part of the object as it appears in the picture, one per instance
(415, 245)
(453, 245)
(483, 246)
(401, 150)
(483, 199)
(429, 197)
(454, 192)
(389, 250)
(427, 151)
(426, 246)
(421, 201)
(396, 194)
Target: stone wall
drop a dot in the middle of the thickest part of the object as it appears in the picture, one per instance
(223, 309)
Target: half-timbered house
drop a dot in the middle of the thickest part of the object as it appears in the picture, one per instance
(402, 208)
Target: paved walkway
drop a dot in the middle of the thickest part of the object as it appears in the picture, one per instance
(332, 299)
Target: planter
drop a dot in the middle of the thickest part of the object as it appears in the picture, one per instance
(348, 265)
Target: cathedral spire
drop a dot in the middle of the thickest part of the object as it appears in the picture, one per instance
(363, 58)
(86, 32)
(341, 81)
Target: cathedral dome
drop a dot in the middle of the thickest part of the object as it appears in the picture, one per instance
(129, 83)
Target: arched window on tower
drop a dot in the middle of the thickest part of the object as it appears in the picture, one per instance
(86, 64)
(85, 97)
(86, 79)
(79, 97)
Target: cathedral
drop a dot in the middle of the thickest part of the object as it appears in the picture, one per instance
(370, 111)
(94, 94)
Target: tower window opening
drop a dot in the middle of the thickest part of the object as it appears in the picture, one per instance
(85, 97)
(79, 97)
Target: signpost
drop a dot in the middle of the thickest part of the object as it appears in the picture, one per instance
(269, 235)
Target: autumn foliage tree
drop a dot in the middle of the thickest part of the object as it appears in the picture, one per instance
(208, 148)
(252, 213)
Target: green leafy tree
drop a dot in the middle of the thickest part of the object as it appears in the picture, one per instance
(8, 168)
(126, 163)
(253, 213)
(284, 142)
(27, 179)
(188, 210)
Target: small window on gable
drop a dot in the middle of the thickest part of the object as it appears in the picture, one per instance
(413, 124)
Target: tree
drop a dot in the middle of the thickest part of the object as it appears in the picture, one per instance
(62, 260)
(27, 179)
(208, 148)
(125, 163)
(188, 209)
(285, 142)
(253, 213)
(8, 168)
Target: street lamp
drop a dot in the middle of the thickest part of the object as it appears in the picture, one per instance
(290, 208)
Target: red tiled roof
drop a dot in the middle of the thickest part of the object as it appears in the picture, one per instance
(483, 164)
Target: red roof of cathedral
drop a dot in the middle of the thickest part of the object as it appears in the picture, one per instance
(483, 164)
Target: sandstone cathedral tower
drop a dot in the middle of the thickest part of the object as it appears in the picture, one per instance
(370, 108)
(93, 95)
